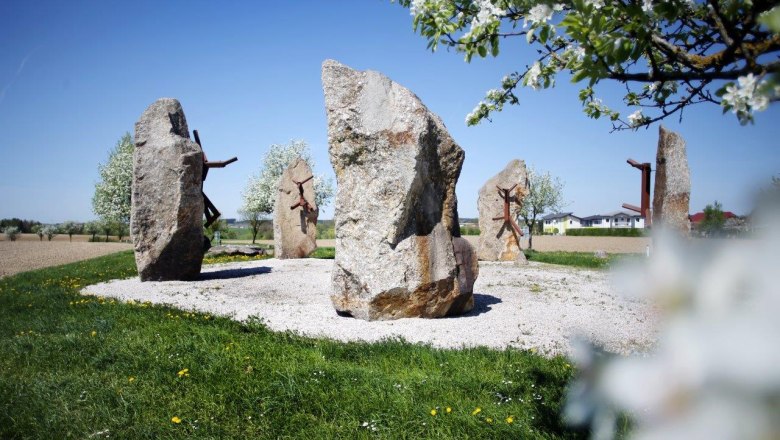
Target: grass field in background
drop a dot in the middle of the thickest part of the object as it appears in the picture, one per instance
(80, 367)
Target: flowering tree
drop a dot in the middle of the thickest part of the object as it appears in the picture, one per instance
(112, 194)
(259, 195)
(670, 54)
(11, 232)
(545, 194)
(70, 228)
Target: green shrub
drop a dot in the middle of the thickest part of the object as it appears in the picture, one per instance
(607, 232)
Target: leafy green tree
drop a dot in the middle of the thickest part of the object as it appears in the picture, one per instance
(11, 232)
(670, 54)
(259, 195)
(49, 231)
(92, 228)
(545, 194)
(254, 218)
(712, 224)
(70, 227)
(111, 201)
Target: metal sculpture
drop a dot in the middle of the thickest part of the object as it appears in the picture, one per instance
(644, 209)
(507, 217)
(302, 202)
(211, 211)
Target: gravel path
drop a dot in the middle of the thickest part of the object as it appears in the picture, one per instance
(534, 307)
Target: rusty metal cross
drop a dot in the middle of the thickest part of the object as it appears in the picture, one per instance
(211, 211)
(302, 202)
(644, 209)
(507, 217)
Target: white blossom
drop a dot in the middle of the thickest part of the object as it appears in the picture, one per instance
(647, 5)
(540, 13)
(111, 200)
(747, 96)
(532, 76)
(714, 372)
(597, 4)
(636, 118)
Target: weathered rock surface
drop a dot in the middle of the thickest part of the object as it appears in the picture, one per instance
(295, 230)
(166, 218)
(396, 209)
(672, 193)
(498, 240)
(235, 250)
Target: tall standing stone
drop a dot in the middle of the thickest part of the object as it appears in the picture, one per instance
(166, 218)
(295, 229)
(672, 193)
(396, 210)
(498, 241)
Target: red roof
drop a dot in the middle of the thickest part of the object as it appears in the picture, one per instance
(699, 216)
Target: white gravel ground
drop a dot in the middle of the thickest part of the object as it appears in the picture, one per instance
(537, 307)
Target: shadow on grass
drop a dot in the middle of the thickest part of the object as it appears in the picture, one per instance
(239, 272)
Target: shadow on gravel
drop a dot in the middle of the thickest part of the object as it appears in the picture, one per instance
(482, 304)
(233, 273)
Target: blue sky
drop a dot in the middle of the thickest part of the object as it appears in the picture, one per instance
(75, 76)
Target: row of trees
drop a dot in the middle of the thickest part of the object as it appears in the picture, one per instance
(69, 228)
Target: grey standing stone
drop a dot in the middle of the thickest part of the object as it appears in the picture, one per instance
(295, 230)
(166, 218)
(497, 240)
(396, 210)
(672, 193)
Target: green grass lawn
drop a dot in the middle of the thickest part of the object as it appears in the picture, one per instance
(73, 366)
(578, 259)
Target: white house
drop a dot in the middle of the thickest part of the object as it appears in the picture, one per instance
(560, 222)
(617, 219)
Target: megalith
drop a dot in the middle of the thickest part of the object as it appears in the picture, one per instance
(499, 237)
(672, 192)
(166, 216)
(295, 212)
(396, 209)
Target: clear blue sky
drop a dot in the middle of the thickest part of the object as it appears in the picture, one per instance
(76, 75)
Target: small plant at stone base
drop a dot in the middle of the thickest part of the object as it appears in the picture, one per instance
(11, 232)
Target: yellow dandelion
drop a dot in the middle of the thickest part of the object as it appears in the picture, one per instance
(489, 420)
(433, 412)
(449, 410)
(476, 411)
(184, 372)
(175, 419)
(131, 379)
(94, 333)
(510, 420)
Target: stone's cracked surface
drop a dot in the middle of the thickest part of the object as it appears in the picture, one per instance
(396, 209)
(166, 218)
(497, 240)
(672, 192)
(295, 230)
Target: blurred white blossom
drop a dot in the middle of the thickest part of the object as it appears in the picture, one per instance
(715, 373)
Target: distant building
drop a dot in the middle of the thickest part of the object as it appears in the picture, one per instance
(560, 222)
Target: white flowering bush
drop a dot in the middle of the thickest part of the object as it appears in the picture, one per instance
(259, 195)
(111, 200)
(670, 54)
(11, 233)
(715, 372)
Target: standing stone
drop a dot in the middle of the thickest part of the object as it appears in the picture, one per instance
(295, 230)
(497, 240)
(166, 217)
(672, 193)
(396, 210)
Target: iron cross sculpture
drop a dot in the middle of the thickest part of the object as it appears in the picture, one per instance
(302, 202)
(507, 218)
(211, 211)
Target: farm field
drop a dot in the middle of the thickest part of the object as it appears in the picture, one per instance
(25, 254)
(28, 252)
